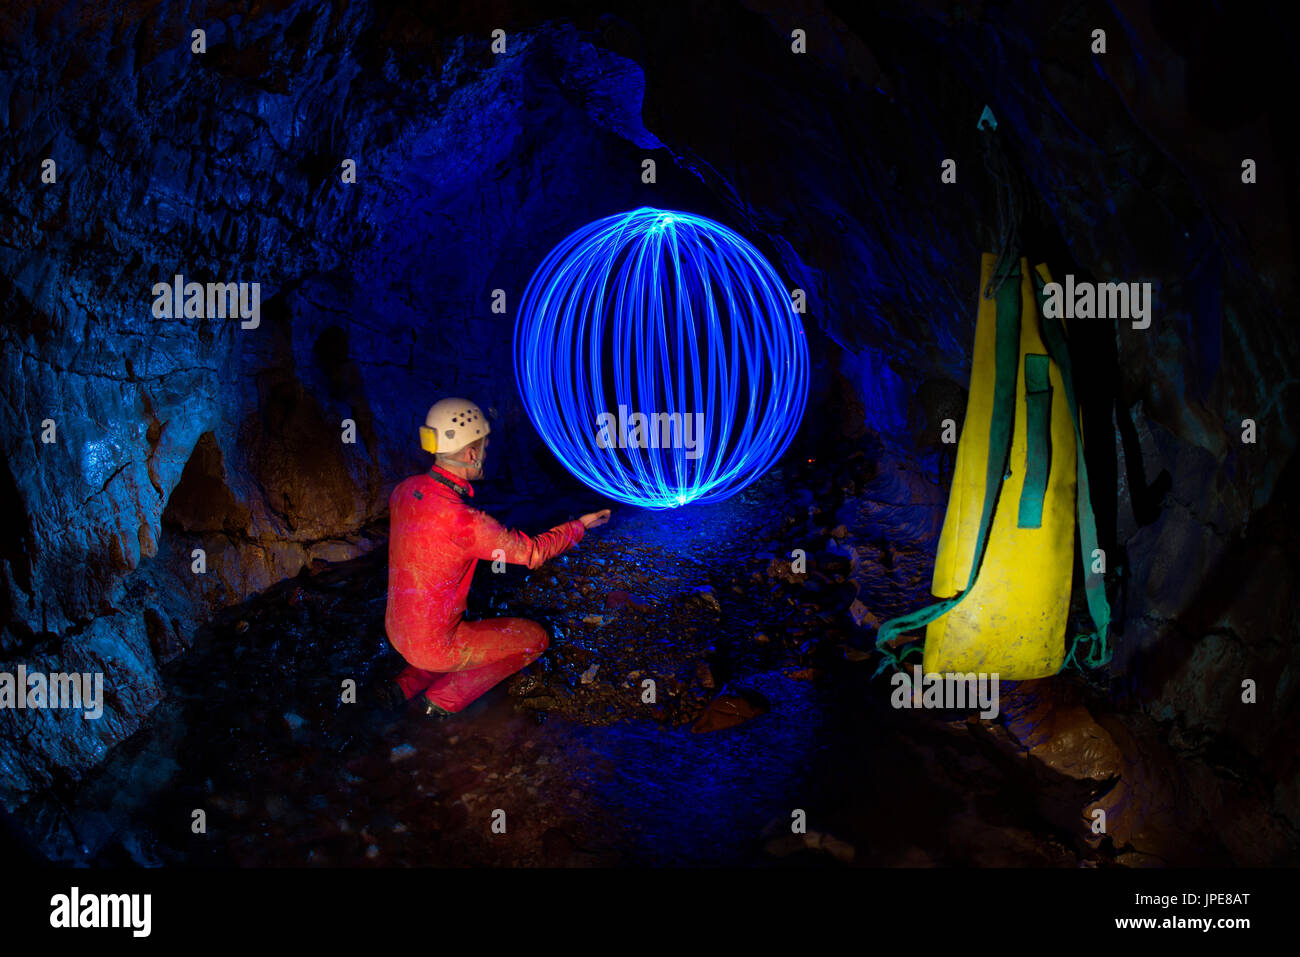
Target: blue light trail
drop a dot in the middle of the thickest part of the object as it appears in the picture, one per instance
(660, 358)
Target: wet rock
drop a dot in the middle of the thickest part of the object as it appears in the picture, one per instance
(622, 599)
(295, 722)
(704, 597)
(540, 703)
(56, 742)
(862, 615)
(704, 675)
(900, 498)
(401, 752)
(525, 685)
(727, 711)
(815, 841)
(1138, 859)
(1061, 735)
(782, 569)
(804, 674)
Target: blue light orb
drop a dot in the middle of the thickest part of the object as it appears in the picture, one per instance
(660, 358)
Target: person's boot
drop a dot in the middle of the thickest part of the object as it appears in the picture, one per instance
(433, 711)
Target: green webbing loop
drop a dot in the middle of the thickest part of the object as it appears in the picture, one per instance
(1006, 353)
(1038, 440)
(1097, 648)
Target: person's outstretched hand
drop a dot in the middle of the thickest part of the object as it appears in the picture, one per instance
(595, 519)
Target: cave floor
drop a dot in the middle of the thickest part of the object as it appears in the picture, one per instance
(254, 731)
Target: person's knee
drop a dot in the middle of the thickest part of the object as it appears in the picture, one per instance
(542, 640)
(537, 638)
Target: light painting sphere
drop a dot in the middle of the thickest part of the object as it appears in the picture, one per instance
(660, 358)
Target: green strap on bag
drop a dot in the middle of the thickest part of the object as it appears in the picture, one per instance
(1097, 650)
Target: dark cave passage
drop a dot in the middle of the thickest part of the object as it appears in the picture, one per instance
(202, 500)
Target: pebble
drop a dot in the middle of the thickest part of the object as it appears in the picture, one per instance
(862, 616)
(401, 753)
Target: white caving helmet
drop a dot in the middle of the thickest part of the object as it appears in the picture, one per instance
(451, 425)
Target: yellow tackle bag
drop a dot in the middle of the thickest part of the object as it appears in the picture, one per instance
(1004, 569)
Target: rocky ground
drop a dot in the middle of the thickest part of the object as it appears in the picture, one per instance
(763, 707)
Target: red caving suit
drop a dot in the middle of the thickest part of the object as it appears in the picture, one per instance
(436, 540)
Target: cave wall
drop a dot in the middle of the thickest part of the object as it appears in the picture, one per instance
(185, 433)
(375, 300)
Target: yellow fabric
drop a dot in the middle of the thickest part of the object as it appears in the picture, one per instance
(1013, 621)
